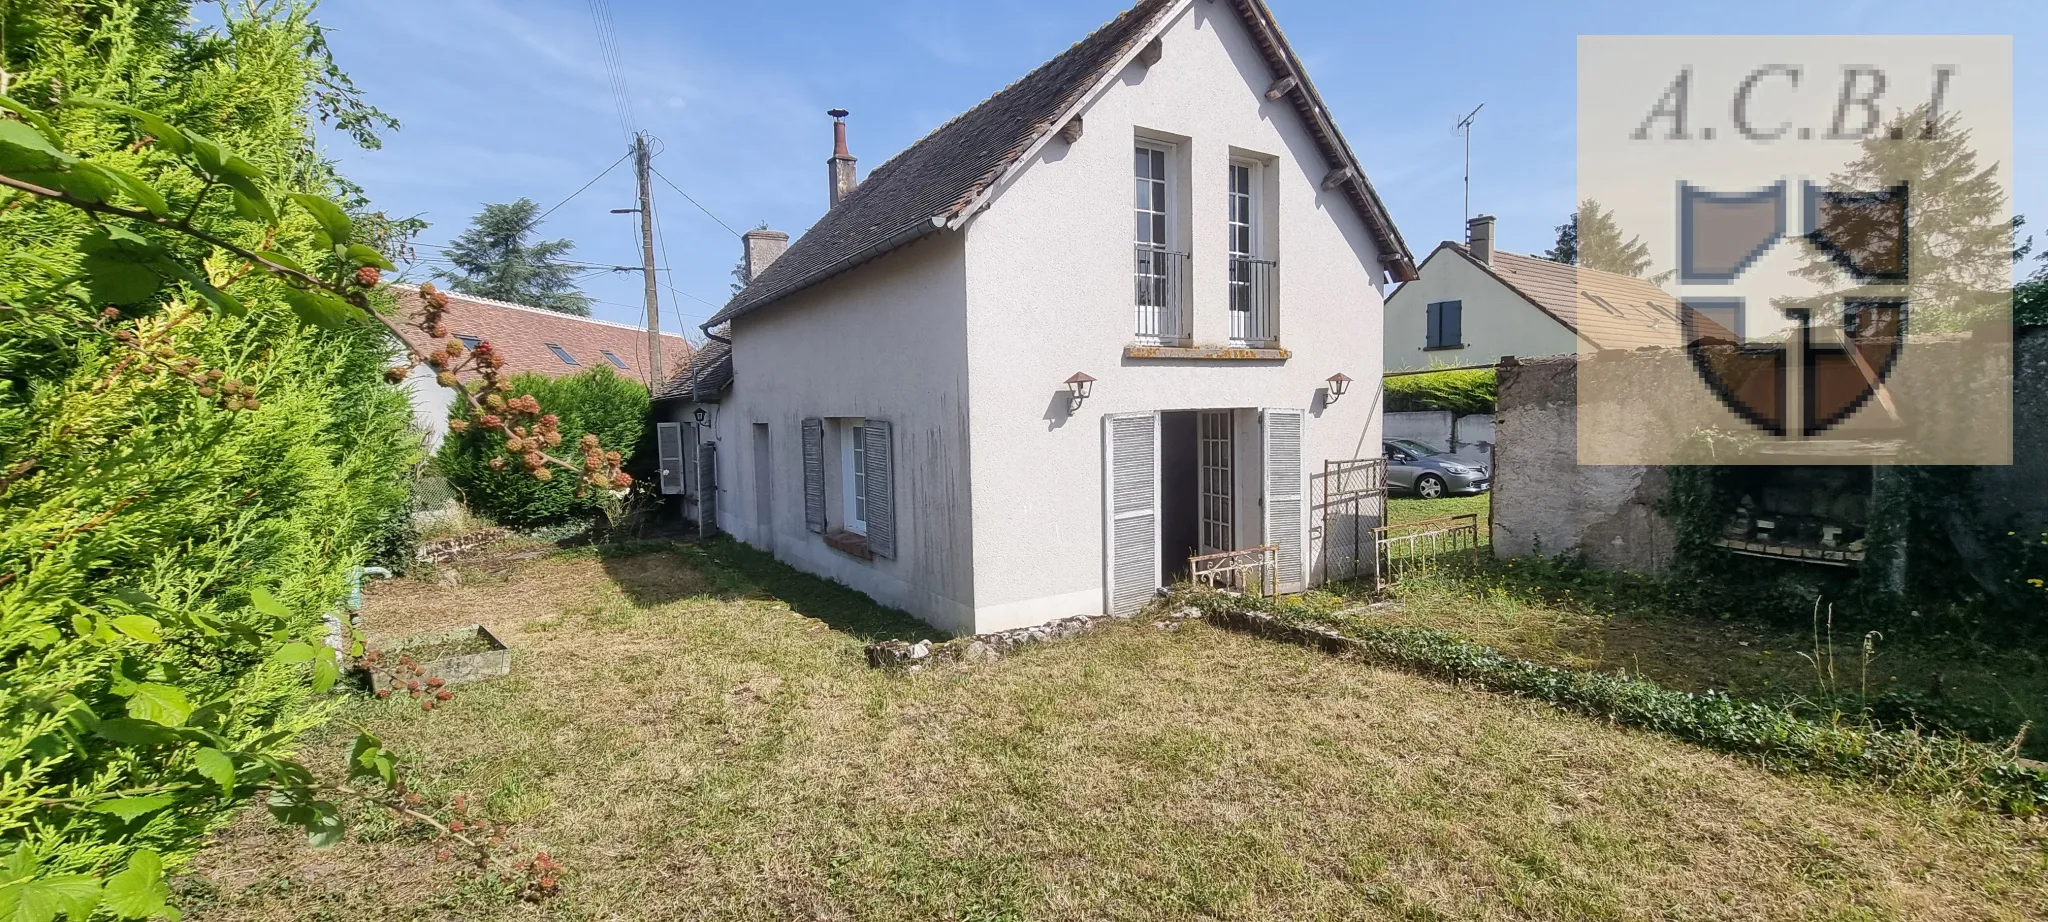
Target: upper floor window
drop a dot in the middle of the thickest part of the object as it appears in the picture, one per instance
(613, 358)
(562, 354)
(1158, 272)
(1446, 325)
(1252, 279)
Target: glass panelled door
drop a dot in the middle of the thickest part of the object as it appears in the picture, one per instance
(1217, 448)
(1158, 310)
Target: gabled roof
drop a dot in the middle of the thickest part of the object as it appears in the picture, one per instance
(1609, 310)
(942, 179)
(523, 335)
(706, 374)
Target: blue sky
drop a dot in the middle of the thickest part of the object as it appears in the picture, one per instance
(507, 98)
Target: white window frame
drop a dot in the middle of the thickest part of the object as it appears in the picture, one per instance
(1255, 326)
(1255, 205)
(1167, 330)
(853, 475)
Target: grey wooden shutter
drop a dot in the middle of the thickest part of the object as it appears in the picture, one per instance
(881, 490)
(707, 488)
(1433, 332)
(668, 443)
(1130, 465)
(1453, 319)
(1285, 518)
(814, 474)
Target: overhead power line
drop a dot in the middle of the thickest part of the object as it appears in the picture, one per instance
(700, 205)
(614, 64)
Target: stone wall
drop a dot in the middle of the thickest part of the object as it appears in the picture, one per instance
(1544, 499)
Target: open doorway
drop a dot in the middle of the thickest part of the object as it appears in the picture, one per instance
(1198, 487)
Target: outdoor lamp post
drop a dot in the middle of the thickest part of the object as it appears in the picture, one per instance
(1078, 388)
(700, 414)
(1339, 383)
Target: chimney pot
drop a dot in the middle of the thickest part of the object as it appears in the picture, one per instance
(1479, 237)
(839, 169)
(759, 247)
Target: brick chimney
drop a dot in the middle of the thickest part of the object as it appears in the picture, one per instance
(839, 169)
(759, 247)
(1479, 237)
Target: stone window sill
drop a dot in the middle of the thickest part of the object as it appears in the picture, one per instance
(1207, 353)
(850, 543)
(1444, 348)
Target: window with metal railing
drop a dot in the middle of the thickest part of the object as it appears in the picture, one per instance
(1252, 287)
(1158, 272)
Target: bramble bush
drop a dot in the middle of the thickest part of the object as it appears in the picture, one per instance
(195, 448)
(595, 401)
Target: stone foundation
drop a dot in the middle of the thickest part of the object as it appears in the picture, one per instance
(987, 648)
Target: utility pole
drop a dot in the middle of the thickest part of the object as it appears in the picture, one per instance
(644, 165)
(1464, 128)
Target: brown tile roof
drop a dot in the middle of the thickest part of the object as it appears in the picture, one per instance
(707, 374)
(944, 176)
(1607, 309)
(523, 334)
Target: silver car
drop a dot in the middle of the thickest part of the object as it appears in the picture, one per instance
(1431, 472)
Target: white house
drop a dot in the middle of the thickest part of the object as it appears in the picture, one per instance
(1474, 304)
(1083, 330)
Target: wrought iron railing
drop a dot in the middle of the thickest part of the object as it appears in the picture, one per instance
(1159, 280)
(1413, 548)
(1254, 289)
(1252, 570)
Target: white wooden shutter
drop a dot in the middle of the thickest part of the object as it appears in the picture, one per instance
(1286, 520)
(668, 443)
(707, 488)
(881, 490)
(814, 474)
(1130, 473)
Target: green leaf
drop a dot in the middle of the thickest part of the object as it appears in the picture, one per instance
(325, 829)
(140, 627)
(113, 178)
(332, 219)
(81, 625)
(281, 260)
(369, 257)
(294, 652)
(215, 766)
(159, 703)
(112, 280)
(31, 116)
(130, 732)
(43, 635)
(254, 209)
(74, 895)
(23, 148)
(321, 309)
(325, 670)
(129, 808)
(261, 599)
(227, 303)
(21, 863)
(139, 891)
(167, 136)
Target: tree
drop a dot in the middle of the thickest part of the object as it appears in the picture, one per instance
(497, 257)
(1593, 239)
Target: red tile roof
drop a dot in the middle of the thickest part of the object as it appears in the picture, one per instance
(523, 334)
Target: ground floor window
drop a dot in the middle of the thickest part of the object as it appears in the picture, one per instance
(853, 473)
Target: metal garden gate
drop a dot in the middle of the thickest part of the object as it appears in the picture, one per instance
(1354, 503)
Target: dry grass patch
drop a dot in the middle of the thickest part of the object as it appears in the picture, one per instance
(692, 746)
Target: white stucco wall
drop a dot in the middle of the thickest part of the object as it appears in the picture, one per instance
(1497, 321)
(884, 341)
(430, 401)
(1048, 284)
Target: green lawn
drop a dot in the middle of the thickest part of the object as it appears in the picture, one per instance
(691, 731)
(1402, 509)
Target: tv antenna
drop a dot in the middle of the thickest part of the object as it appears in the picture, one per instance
(1464, 130)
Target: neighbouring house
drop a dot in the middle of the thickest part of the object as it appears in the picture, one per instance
(531, 339)
(1474, 304)
(1100, 322)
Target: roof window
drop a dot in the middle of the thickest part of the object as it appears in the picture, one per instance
(563, 354)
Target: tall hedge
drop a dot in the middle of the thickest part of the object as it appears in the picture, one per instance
(1462, 392)
(129, 499)
(597, 402)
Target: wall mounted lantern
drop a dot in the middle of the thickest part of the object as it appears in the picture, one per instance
(700, 414)
(1078, 388)
(1339, 383)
